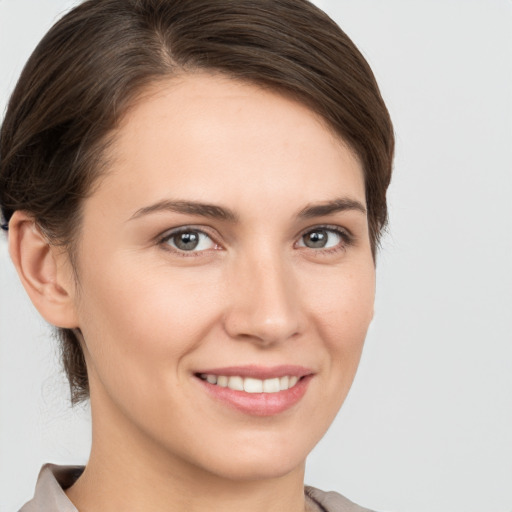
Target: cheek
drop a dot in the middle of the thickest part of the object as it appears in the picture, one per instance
(343, 307)
(148, 319)
(344, 312)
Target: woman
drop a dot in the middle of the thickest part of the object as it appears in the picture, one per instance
(193, 193)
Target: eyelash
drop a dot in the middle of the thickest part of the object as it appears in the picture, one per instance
(347, 239)
(164, 241)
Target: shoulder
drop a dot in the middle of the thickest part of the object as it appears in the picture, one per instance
(49, 494)
(332, 501)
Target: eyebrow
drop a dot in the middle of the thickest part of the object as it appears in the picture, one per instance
(337, 205)
(188, 207)
(213, 211)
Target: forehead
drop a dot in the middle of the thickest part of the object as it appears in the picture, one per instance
(207, 135)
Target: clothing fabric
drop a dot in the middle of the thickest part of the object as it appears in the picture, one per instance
(53, 480)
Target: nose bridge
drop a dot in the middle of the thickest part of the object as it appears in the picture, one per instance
(264, 304)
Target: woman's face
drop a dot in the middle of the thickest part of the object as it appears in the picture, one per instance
(226, 249)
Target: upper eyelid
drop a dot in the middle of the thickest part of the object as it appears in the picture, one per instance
(206, 229)
(331, 227)
(168, 233)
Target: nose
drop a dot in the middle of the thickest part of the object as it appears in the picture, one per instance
(264, 305)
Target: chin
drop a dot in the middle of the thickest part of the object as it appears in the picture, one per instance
(256, 461)
(256, 470)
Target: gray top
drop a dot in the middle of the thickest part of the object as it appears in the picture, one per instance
(50, 495)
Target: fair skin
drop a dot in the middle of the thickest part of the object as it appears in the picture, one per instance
(276, 281)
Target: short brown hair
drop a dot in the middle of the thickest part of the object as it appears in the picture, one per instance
(92, 63)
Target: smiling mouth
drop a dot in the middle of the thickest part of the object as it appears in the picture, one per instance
(256, 390)
(250, 384)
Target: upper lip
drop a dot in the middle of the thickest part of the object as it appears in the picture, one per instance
(259, 372)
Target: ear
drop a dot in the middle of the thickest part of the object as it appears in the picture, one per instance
(44, 271)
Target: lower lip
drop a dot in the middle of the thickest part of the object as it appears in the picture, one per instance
(259, 404)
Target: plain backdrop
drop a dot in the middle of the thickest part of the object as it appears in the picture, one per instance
(427, 426)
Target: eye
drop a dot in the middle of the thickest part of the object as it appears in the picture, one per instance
(189, 240)
(323, 238)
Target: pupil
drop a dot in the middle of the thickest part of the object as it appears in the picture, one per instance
(187, 241)
(316, 239)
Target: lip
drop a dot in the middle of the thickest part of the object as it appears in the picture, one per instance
(258, 404)
(259, 372)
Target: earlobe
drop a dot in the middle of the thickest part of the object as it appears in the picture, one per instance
(41, 271)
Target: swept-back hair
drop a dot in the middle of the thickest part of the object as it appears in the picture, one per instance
(90, 67)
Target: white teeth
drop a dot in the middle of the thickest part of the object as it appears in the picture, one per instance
(271, 386)
(284, 383)
(251, 385)
(222, 381)
(236, 383)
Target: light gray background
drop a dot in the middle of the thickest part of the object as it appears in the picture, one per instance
(428, 424)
